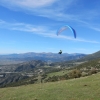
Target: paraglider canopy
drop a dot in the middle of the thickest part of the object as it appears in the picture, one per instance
(60, 52)
(64, 28)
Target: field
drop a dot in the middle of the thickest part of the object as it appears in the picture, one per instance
(59, 73)
(85, 88)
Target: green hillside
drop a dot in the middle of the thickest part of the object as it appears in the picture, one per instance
(85, 88)
(90, 64)
(89, 57)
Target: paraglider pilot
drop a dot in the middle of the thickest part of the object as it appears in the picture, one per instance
(60, 52)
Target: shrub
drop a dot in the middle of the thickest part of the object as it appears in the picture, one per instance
(83, 74)
(93, 71)
(75, 73)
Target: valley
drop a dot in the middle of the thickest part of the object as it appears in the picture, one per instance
(27, 72)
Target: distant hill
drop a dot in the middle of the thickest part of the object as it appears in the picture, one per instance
(23, 67)
(90, 64)
(8, 78)
(49, 57)
(18, 72)
(30, 66)
(89, 57)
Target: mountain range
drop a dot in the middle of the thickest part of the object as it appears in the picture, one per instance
(22, 66)
(48, 57)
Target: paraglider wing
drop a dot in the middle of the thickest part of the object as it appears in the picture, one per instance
(64, 28)
(61, 29)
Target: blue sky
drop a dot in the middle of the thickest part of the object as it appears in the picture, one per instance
(31, 26)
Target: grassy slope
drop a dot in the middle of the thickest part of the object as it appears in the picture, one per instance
(85, 88)
(59, 73)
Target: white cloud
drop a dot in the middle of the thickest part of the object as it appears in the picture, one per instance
(2, 22)
(71, 38)
(34, 3)
(45, 8)
(60, 10)
(95, 27)
(39, 30)
(28, 3)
